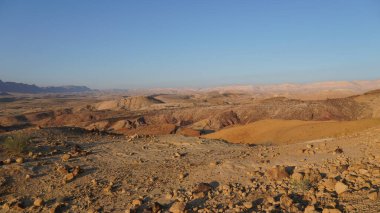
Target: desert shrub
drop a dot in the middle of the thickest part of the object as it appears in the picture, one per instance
(17, 143)
(300, 186)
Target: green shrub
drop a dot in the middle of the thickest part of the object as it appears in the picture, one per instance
(16, 143)
(300, 186)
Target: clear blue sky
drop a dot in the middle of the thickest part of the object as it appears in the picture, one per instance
(199, 43)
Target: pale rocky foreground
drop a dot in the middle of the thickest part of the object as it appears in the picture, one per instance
(69, 170)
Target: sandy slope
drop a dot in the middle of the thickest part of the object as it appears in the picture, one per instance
(290, 131)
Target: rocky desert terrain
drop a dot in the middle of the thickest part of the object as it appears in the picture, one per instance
(209, 151)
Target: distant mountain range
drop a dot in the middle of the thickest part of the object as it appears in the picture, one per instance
(313, 90)
(27, 88)
(352, 86)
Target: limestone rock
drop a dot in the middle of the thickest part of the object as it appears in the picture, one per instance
(328, 184)
(7, 161)
(136, 202)
(340, 187)
(65, 157)
(286, 202)
(331, 211)
(69, 177)
(248, 205)
(20, 160)
(178, 207)
(38, 202)
(373, 195)
(310, 209)
(62, 170)
(203, 187)
(277, 173)
(297, 176)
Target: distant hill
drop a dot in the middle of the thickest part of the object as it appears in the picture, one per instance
(304, 91)
(27, 88)
(4, 94)
(132, 103)
(352, 86)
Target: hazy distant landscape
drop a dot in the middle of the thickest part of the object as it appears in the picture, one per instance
(189, 106)
(185, 132)
(27, 88)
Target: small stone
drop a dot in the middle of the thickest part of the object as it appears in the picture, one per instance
(214, 163)
(20, 160)
(248, 205)
(328, 184)
(6, 207)
(182, 175)
(38, 202)
(297, 176)
(168, 196)
(76, 171)
(66, 157)
(340, 187)
(331, 211)
(108, 190)
(203, 187)
(198, 195)
(363, 171)
(373, 195)
(92, 210)
(62, 170)
(7, 161)
(178, 207)
(310, 209)
(350, 208)
(136, 202)
(285, 201)
(69, 177)
(270, 199)
(94, 182)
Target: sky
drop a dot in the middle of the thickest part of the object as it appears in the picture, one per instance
(188, 43)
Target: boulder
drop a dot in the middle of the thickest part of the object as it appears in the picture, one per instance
(277, 173)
